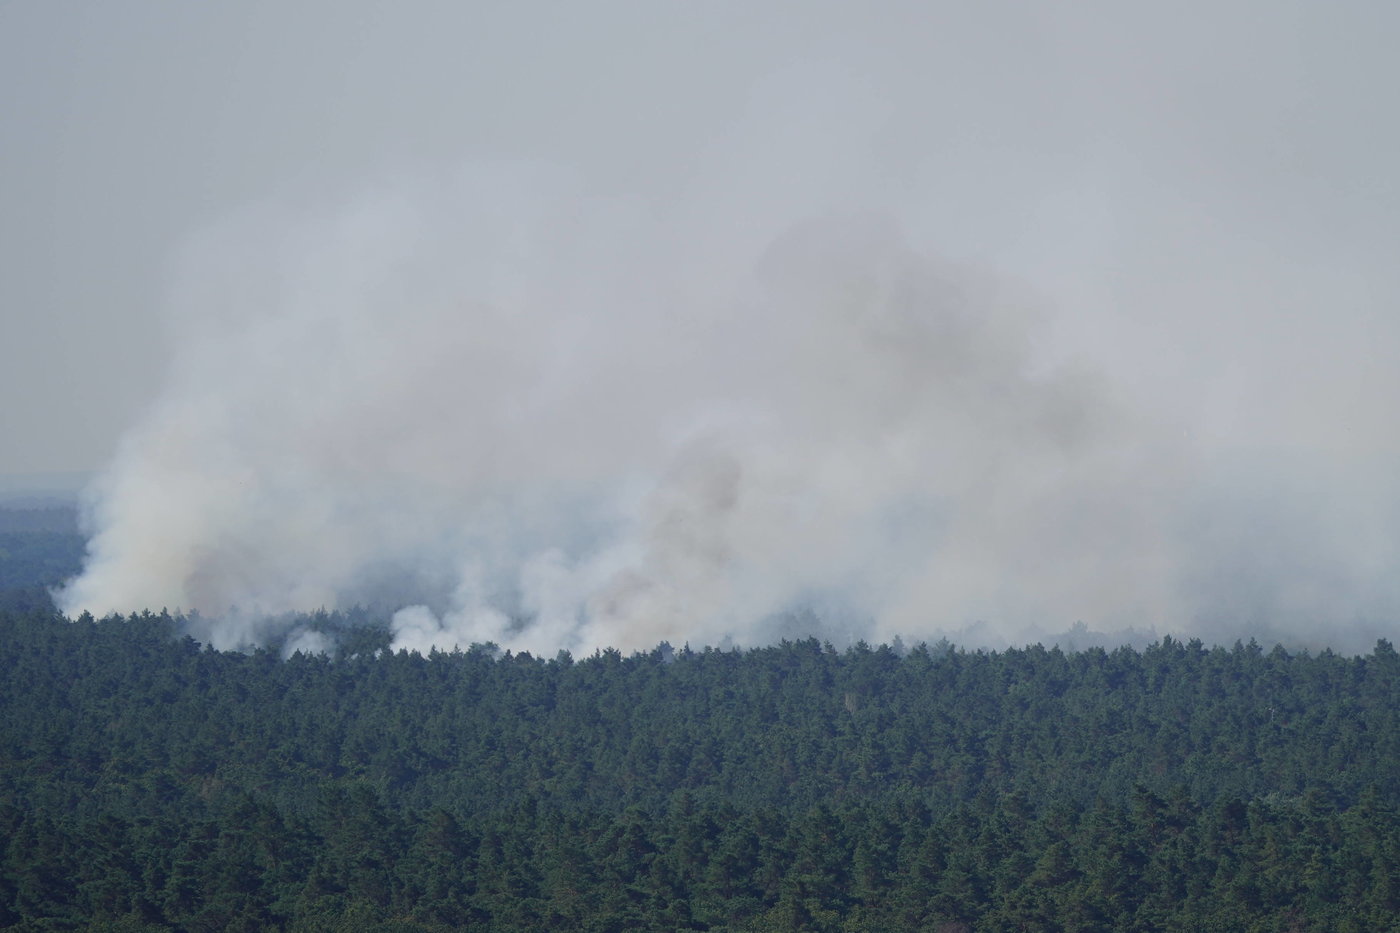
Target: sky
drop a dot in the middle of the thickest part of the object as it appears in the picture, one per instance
(1191, 207)
(1172, 165)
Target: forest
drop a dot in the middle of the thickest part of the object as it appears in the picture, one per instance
(149, 783)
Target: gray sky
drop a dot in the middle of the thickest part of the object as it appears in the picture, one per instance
(1185, 180)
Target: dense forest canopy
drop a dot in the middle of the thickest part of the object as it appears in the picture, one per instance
(148, 782)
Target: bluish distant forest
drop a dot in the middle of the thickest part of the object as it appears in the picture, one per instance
(149, 783)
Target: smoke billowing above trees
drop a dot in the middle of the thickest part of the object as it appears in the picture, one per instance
(983, 325)
(544, 419)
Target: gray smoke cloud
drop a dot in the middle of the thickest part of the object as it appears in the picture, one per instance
(1104, 341)
(551, 425)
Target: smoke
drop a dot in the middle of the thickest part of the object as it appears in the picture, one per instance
(1057, 322)
(519, 414)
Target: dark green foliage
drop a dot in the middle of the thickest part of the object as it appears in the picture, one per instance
(147, 783)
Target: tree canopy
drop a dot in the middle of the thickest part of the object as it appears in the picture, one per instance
(147, 782)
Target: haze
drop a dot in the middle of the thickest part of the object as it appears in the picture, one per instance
(565, 326)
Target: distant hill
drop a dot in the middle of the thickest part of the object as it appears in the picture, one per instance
(40, 547)
(42, 490)
(56, 518)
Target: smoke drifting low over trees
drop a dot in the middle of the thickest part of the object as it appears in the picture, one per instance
(982, 321)
(521, 414)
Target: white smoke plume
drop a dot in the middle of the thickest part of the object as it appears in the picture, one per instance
(725, 323)
(549, 420)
